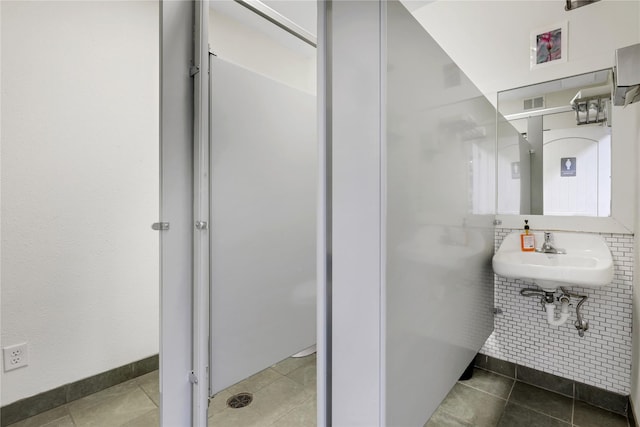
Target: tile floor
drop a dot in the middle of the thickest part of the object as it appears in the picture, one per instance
(489, 399)
(284, 395)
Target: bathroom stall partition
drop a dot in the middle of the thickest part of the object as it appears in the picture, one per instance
(263, 167)
(413, 181)
(440, 200)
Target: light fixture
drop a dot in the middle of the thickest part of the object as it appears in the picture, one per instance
(592, 110)
(593, 104)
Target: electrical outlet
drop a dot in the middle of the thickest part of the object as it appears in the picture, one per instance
(15, 356)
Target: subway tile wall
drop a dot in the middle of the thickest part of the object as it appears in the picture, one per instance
(601, 358)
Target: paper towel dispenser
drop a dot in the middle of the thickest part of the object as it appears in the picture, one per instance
(627, 76)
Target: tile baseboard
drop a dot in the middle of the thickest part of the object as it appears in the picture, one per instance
(594, 396)
(62, 395)
(631, 416)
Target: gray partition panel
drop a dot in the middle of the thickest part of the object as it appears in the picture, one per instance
(263, 222)
(439, 237)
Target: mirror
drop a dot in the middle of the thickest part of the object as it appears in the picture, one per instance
(554, 147)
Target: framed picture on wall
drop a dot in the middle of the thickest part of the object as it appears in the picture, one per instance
(549, 45)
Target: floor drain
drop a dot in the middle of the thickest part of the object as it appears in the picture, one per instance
(239, 400)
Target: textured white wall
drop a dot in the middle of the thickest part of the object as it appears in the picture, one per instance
(80, 188)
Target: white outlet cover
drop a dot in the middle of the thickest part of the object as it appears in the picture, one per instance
(15, 356)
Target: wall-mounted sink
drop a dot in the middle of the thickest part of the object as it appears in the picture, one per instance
(586, 263)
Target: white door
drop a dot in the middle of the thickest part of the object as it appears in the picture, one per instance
(263, 216)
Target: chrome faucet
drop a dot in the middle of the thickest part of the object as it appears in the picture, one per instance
(547, 247)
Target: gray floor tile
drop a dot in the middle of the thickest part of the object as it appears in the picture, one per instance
(219, 402)
(278, 398)
(150, 419)
(585, 415)
(113, 411)
(255, 382)
(55, 417)
(303, 415)
(518, 416)
(241, 417)
(497, 385)
(540, 400)
(472, 406)
(442, 419)
(305, 375)
(150, 383)
(62, 422)
(292, 363)
(100, 397)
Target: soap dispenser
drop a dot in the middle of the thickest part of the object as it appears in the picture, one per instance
(527, 240)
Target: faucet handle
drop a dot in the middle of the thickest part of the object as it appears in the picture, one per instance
(547, 236)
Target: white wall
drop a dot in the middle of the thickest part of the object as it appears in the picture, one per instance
(494, 51)
(285, 58)
(80, 188)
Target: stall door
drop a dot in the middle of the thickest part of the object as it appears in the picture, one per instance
(263, 210)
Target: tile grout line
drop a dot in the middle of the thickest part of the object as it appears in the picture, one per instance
(496, 373)
(73, 420)
(511, 391)
(573, 401)
(147, 394)
(483, 391)
(542, 413)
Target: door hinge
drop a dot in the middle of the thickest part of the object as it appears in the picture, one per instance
(159, 226)
(202, 225)
(193, 70)
(192, 378)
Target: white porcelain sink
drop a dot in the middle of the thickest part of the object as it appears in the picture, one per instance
(587, 262)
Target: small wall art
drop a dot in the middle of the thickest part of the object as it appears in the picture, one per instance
(549, 45)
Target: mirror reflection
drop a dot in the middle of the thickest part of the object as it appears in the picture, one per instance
(554, 147)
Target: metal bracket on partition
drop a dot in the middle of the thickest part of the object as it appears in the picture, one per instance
(202, 225)
(497, 222)
(193, 70)
(192, 378)
(160, 226)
